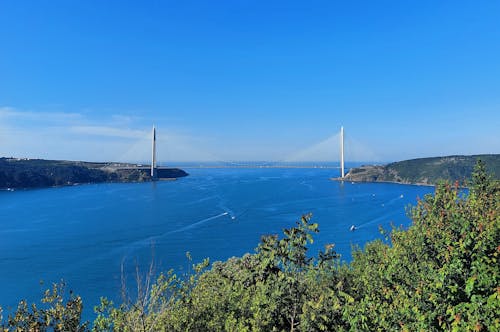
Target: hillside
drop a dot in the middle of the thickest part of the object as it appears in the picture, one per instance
(426, 171)
(37, 173)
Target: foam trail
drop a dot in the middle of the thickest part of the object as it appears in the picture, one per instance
(182, 229)
(228, 211)
(150, 240)
(185, 228)
(378, 219)
(127, 250)
(201, 200)
(393, 200)
(223, 206)
(231, 214)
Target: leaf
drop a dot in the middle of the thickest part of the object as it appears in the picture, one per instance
(469, 285)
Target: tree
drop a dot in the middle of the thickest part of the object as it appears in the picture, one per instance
(56, 314)
(440, 274)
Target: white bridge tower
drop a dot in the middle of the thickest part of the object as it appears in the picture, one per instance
(342, 152)
(153, 155)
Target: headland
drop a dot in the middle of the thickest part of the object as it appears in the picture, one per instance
(20, 173)
(425, 171)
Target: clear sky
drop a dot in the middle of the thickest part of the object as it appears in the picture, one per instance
(249, 80)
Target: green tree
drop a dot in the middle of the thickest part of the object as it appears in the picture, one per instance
(440, 274)
(57, 313)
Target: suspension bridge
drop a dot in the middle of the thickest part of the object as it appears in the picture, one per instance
(155, 170)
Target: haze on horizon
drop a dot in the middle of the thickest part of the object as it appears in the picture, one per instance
(248, 80)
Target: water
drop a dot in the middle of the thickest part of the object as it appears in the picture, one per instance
(83, 234)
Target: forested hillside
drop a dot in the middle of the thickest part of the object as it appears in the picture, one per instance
(426, 170)
(36, 173)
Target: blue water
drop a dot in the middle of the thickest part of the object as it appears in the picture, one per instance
(83, 234)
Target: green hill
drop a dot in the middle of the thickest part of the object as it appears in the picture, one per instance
(426, 170)
(37, 173)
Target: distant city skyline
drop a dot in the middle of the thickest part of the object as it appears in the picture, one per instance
(248, 80)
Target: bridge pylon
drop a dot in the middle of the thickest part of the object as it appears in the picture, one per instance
(154, 173)
(342, 152)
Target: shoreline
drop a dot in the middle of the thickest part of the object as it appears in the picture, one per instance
(18, 173)
(420, 184)
(10, 189)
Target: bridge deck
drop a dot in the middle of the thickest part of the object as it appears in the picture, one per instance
(236, 166)
(258, 166)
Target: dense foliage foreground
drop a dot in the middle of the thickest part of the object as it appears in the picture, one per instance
(440, 274)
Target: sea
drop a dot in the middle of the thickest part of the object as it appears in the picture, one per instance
(96, 237)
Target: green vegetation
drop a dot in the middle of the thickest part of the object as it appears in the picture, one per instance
(56, 313)
(36, 173)
(440, 274)
(426, 170)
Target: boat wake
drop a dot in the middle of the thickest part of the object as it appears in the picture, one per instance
(379, 220)
(127, 250)
(194, 225)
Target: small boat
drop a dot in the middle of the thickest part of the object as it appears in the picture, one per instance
(353, 228)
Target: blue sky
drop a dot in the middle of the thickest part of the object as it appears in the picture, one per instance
(249, 80)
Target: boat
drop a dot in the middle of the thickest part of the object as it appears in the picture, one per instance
(353, 228)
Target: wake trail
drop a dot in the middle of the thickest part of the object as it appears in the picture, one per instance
(227, 210)
(185, 228)
(391, 201)
(378, 219)
(151, 239)
(127, 250)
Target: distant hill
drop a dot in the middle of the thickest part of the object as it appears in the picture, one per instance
(426, 171)
(35, 173)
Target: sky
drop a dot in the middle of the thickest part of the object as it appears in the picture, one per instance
(249, 80)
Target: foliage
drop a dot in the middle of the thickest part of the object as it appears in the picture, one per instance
(265, 291)
(153, 302)
(427, 170)
(55, 314)
(451, 168)
(440, 274)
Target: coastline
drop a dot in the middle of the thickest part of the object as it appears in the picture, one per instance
(421, 184)
(16, 173)
(456, 170)
(9, 189)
